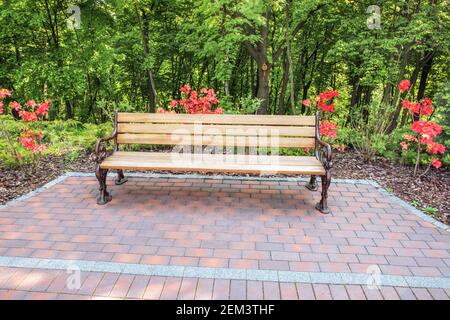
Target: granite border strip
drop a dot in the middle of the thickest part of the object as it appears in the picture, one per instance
(225, 273)
(372, 183)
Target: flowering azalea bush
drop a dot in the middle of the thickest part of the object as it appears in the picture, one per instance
(203, 102)
(324, 101)
(27, 140)
(423, 132)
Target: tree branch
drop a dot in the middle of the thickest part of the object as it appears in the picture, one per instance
(297, 28)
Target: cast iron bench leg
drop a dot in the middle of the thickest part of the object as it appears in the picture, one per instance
(120, 178)
(322, 206)
(312, 185)
(104, 196)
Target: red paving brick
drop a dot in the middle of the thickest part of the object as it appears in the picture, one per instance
(245, 224)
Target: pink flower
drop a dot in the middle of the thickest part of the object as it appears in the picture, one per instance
(186, 89)
(1, 107)
(4, 93)
(39, 148)
(15, 105)
(306, 102)
(409, 137)
(173, 103)
(436, 163)
(160, 110)
(328, 129)
(31, 103)
(404, 145)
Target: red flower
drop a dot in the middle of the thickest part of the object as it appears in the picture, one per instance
(427, 130)
(324, 98)
(328, 129)
(427, 106)
(15, 105)
(173, 103)
(404, 85)
(435, 148)
(328, 95)
(29, 140)
(28, 116)
(436, 163)
(43, 109)
(193, 102)
(306, 102)
(1, 107)
(325, 107)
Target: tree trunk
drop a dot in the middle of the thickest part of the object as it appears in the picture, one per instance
(403, 64)
(69, 110)
(263, 92)
(150, 83)
(428, 63)
(284, 84)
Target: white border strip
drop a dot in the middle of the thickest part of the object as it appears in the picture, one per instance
(227, 273)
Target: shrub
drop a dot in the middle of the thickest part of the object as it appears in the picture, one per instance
(204, 102)
(23, 141)
(423, 133)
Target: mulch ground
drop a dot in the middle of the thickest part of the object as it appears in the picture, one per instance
(431, 190)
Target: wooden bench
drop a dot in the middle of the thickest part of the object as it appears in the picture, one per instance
(195, 136)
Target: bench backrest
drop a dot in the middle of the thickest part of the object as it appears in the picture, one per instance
(217, 130)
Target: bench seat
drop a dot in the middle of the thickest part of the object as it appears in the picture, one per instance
(254, 164)
(215, 143)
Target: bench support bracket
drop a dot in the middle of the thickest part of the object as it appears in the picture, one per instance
(104, 196)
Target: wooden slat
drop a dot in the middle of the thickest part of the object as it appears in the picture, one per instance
(150, 161)
(229, 130)
(215, 158)
(217, 119)
(168, 139)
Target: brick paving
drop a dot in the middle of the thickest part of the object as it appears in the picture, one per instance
(24, 283)
(218, 223)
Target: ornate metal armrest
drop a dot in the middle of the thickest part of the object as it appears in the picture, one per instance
(325, 154)
(100, 152)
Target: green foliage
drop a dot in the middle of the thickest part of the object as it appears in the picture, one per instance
(245, 105)
(431, 210)
(105, 65)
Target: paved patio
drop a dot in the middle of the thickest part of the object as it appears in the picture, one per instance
(194, 237)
